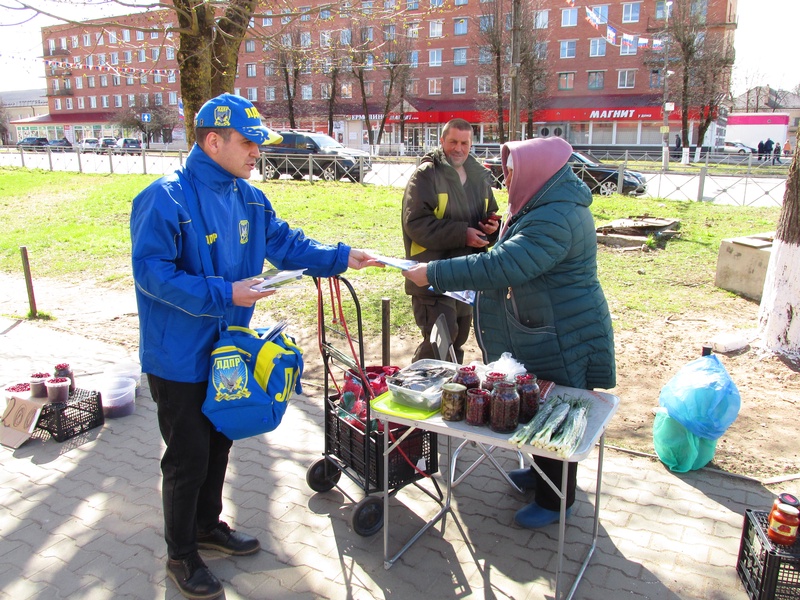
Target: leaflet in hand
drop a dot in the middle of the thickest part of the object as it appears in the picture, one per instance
(275, 278)
(272, 332)
(398, 263)
(465, 296)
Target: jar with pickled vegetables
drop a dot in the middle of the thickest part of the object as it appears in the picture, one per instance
(478, 407)
(782, 524)
(528, 390)
(504, 411)
(467, 377)
(454, 396)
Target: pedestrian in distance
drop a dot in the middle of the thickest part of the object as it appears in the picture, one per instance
(787, 148)
(180, 308)
(448, 210)
(776, 155)
(538, 294)
(760, 150)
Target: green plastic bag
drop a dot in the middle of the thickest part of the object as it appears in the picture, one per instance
(679, 448)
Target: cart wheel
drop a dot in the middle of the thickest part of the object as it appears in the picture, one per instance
(323, 475)
(367, 517)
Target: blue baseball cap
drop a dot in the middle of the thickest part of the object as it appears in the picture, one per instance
(235, 112)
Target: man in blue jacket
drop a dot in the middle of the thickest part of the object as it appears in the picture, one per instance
(180, 307)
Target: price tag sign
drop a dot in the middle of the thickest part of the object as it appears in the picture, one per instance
(19, 421)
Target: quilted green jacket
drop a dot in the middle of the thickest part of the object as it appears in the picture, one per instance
(539, 297)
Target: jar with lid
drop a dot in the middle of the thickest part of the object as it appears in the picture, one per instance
(491, 378)
(454, 396)
(467, 377)
(528, 390)
(504, 411)
(478, 407)
(782, 524)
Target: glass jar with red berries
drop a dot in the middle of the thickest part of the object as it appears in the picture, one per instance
(528, 390)
(467, 377)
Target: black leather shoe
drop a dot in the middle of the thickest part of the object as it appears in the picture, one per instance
(226, 540)
(193, 578)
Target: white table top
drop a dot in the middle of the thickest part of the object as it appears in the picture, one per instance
(602, 407)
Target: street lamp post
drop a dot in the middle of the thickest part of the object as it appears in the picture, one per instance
(664, 104)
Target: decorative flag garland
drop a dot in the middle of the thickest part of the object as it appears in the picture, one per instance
(108, 69)
(628, 40)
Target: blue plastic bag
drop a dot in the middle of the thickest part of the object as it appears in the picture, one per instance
(677, 447)
(702, 397)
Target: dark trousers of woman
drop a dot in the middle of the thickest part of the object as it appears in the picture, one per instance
(545, 496)
(193, 466)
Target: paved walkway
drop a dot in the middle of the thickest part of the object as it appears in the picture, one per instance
(82, 519)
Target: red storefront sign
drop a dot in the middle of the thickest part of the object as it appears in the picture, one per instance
(550, 115)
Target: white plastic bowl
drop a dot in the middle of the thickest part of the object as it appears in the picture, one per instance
(118, 395)
(129, 370)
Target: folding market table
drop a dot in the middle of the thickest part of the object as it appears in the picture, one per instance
(602, 407)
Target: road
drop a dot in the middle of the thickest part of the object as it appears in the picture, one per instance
(737, 190)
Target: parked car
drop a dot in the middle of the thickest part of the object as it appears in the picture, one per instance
(88, 144)
(738, 148)
(38, 144)
(330, 160)
(128, 146)
(62, 145)
(106, 144)
(601, 178)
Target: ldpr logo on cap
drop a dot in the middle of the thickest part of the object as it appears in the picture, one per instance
(222, 116)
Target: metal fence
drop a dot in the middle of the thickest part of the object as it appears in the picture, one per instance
(723, 179)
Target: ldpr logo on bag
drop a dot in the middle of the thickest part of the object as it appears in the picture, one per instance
(230, 376)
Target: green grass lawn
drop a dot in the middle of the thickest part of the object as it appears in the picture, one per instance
(76, 225)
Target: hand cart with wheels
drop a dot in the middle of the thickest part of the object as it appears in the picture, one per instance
(354, 440)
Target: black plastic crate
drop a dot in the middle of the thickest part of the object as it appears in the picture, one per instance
(346, 442)
(82, 412)
(768, 571)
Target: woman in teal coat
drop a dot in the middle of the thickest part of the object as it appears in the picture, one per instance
(538, 295)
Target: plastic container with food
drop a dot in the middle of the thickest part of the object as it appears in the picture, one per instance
(419, 385)
(129, 370)
(118, 395)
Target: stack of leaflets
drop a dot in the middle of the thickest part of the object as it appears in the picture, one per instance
(275, 278)
(398, 263)
(465, 296)
(273, 332)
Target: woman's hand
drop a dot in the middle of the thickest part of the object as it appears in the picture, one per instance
(418, 274)
(243, 293)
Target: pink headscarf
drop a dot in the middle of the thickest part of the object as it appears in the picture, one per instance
(534, 162)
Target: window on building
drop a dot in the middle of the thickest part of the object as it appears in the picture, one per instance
(369, 62)
(286, 40)
(81, 103)
(485, 23)
(103, 80)
(170, 53)
(626, 79)
(155, 53)
(389, 33)
(250, 69)
(699, 10)
(75, 41)
(90, 81)
(139, 36)
(540, 50)
(57, 104)
(153, 35)
(68, 103)
(346, 91)
(437, 3)
(87, 40)
(269, 69)
(412, 4)
(435, 29)
(325, 39)
(460, 2)
(435, 58)
(171, 77)
(305, 13)
(143, 79)
(116, 80)
(412, 87)
(141, 55)
(628, 47)
(269, 94)
(597, 47)
(435, 86)
(126, 35)
(484, 84)
(459, 56)
(99, 38)
(460, 27)
(656, 82)
(325, 14)
(325, 91)
(630, 12)
(79, 82)
(541, 18)
(114, 58)
(569, 17)
(127, 57)
(173, 98)
(413, 58)
(129, 80)
(596, 80)
(305, 66)
(367, 34)
(250, 46)
(92, 101)
(345, 37)
(601, 12)
(305, 39)
(566, 81)
(412, 30)
(459, 85)
(484, 55)
(568, 48)
(267, 21)
(661, 9)
(158, 98)
(112, 37)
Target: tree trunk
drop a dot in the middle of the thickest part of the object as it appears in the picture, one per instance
(779, 315)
